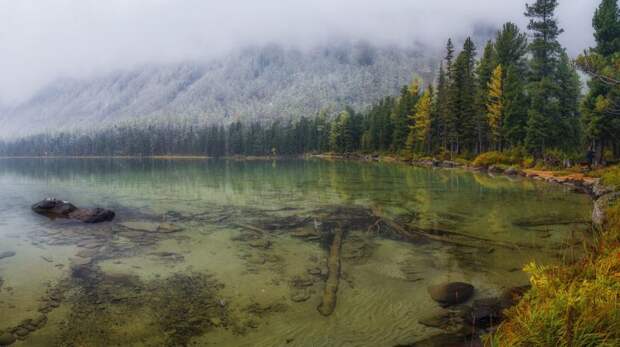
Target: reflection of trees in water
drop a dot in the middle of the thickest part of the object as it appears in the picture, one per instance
(427, 192)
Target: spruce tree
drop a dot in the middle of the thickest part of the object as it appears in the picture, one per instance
(462, 105)
(484, 73)
(601, 106)
(515, 107)
(544, 112)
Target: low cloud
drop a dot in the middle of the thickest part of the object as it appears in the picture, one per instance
(44, 40)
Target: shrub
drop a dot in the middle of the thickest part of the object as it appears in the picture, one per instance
(570, 305)
(497, 158)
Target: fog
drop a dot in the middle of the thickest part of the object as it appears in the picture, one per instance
(44, 40)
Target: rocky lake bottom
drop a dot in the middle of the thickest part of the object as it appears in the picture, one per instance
(269, 253)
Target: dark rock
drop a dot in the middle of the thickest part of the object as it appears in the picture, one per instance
(92, 215)
(7, 254)
(451, 293)
(300, 295)
(53, 208)
(22, 332)
(453, 320)
(485, 312)
(495, 169)
(7, 339)
(512, 171)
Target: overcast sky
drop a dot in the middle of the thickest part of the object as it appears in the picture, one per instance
(41, 40)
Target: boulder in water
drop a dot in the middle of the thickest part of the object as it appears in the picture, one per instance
(92, 215)
(451, 293)
(54, 208)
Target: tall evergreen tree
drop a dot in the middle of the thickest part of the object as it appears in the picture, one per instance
(515, 107)
(484, 73)
(544, 113)
(462, 130)
(601, 107)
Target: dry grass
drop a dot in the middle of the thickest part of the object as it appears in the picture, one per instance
(570, 305)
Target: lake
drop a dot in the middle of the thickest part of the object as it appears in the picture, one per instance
(234, 253)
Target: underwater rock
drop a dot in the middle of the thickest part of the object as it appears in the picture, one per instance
(7, 254)
(87, 253)
(486, 312)
(92, 215)
(53, 208)
(300, 295)
(447, 340)
(455, 319)
(151, 227)
(260, 243)
(7, 339)
(451, 293)
(302, 281)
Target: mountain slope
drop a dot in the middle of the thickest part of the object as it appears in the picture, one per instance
(255, 83)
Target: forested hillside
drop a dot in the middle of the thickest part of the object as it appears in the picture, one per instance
(518, 92)
(265, 83)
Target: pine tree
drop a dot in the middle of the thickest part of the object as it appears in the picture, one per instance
(400, 116)
(484, 72)
(607, 28)
(462, 94)
(601, 107)
(511, 47)
(495, 107)
(515, 107)
(544, 112)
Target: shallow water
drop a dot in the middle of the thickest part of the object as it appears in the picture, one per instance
(214, 252)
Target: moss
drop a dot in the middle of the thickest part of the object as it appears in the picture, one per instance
(570, 305)
(611, 177)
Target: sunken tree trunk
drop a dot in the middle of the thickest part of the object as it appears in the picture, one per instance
(328, 304)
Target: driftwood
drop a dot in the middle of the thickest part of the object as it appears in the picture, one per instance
(328, 304)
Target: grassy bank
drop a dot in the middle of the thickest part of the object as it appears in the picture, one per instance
(574, 304)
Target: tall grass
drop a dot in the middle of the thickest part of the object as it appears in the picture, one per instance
(570, 305)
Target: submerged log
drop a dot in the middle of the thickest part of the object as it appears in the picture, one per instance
(328, 304)
(472, 241)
